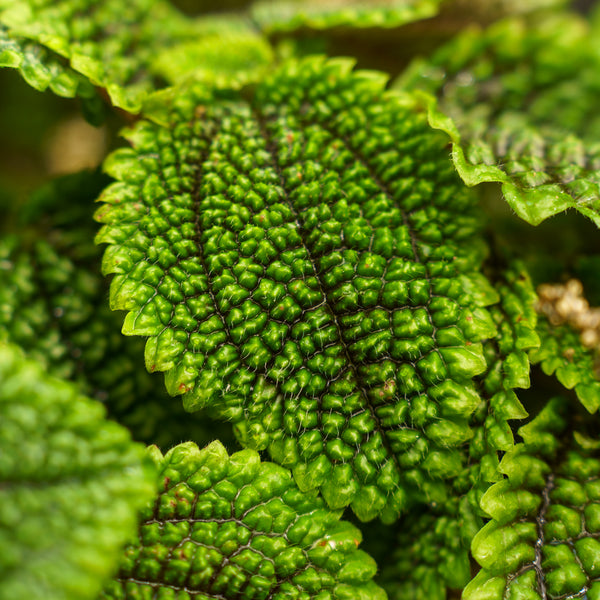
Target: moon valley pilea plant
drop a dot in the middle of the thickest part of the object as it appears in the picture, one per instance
(370, 284)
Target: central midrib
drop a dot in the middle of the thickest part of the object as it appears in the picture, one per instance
(272, 149)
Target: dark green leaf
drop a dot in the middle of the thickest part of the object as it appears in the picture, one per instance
(53, 303)
(306, 263)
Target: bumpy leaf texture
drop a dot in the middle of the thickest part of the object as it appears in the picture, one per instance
(508, 369)
(231, 527)
(542, 541)
(53, 305)
(124, 47)
(519, 101)
(562, 354)
(292, 16)
(43, 69)
(306, 262)
(70, 486)
(431, 555)
(275, 16)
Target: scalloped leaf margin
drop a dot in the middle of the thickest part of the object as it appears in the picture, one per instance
(232, 527)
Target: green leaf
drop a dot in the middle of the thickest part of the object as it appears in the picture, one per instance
(298, 16)
(542, 541)
(43, 69)
(295, 259)
(519, 101)
(53, 304)
(515, 318)
(129, 49)
(563, 354)
(233, 527)
(275, 16)
(70, 485)
(226, 52)
(430, 553)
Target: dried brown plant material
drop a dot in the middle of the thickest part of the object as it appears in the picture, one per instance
(565, 303)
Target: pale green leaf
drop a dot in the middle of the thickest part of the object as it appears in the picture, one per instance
(285, 16)
(131, 48)
(44, 70)
(70, 486)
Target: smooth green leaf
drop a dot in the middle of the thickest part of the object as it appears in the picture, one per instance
(232, 527)
(70, 485)
(295, 259)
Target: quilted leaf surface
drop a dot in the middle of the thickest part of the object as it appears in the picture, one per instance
(542, 541)
(124, 47)
(305, 262)
(431, 554)
(53, 305)
(519, 101)
(507, 369)
(231, 527)
(70, 485)
(42, 69)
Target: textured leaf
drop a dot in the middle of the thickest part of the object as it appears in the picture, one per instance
(53, 304)
(291, 16)
(302, 262)
(233, 527)
(542, 541)
(42, 69)
(277, 16)
(562, 353)
(519, 102)
(430, 553)
(70, 485)
(125, 48)
(515, 318)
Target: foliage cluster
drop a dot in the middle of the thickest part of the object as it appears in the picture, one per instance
(369, 283)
